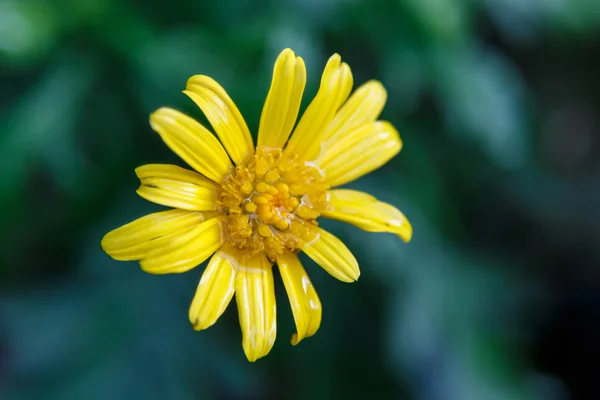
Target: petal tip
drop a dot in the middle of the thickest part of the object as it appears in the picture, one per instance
(354, 272)
(138, 171)
(189, 93)
(252, 355)
(103, 243)
(378, 91)
(287, 52)
(388, 127)
(160, 118)
(300, 66)
(374, 84)
(335, 57)
(198, 325)
(160, 113)
(147, 270)
(295, 339)
(350, 278)
(406, 232)
(195, 79)
(108, 243)
(140, 191)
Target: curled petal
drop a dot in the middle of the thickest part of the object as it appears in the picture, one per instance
(216, 288)
(192, 142)
(223, 115)
(304, 300)
(366, 212)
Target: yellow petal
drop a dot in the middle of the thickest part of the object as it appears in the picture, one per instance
(223, 115)
(305, 142)
(134, 240)
(173, 186)
(346, 84)
(363, 107)
(187, 250)
(359, 152)
(332, 255)
(255, 297)
(305, 303)
(215, 290)
(192, 142)
(366, 212)
(283, 101)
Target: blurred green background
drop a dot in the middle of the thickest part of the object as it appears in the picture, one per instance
(496, 297)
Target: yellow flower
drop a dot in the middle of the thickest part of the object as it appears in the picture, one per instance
(253, 208)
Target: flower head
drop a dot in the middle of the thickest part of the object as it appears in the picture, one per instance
(251, 208)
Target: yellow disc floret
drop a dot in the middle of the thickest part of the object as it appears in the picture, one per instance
(272, 202)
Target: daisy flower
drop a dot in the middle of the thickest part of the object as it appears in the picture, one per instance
(253, 208)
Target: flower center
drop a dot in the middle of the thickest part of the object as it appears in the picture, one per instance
(272, 203)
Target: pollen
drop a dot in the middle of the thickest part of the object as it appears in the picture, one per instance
(272, 203)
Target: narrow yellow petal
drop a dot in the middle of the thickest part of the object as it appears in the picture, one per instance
(363, 107)
(366, 212)
(283, 100)
(192, 142)
(223, 115)
(332, 255)
(173, 186)
(346, 84)
(305, 142)
(187, 250)
(304, 300)
(134, 240)
(216, 288)
(255, 297)
(359, 152)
